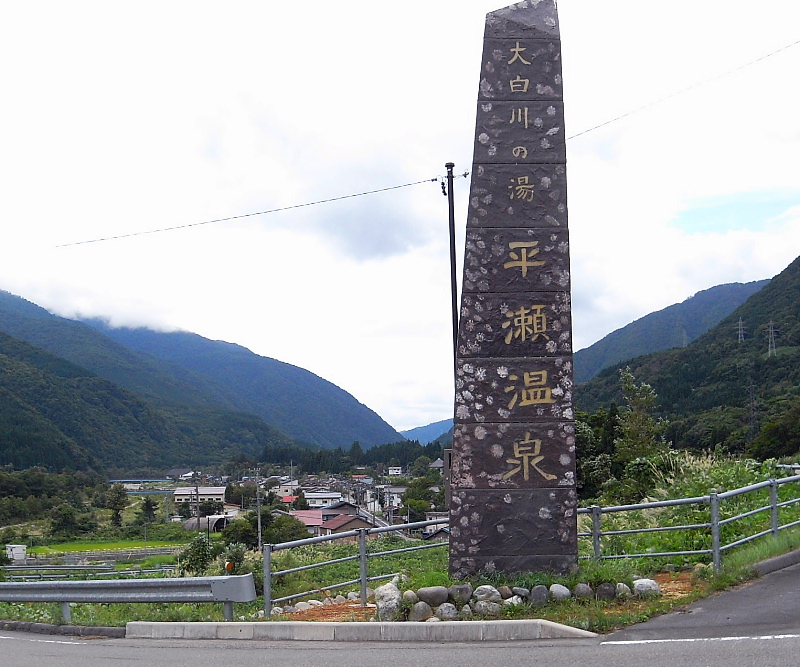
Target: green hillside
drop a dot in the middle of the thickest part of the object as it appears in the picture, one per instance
(674, 326)
(179, 371)
(60, 416)
(721, 390)
(293, 399)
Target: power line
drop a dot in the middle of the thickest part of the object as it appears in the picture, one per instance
(427, 180)
(683, 90)
(249, 215)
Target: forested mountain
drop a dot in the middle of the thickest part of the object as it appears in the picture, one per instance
(737, 386)
(58, 415)
(429, 433)
(184, 373)
(293, 399)
(674, 326)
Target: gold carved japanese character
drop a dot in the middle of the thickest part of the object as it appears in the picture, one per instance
(520, 116)
(526, 456)
(526, 324)
(521, 254)
(521, 188)
(519, 85)
(534, 390)
(517, 51)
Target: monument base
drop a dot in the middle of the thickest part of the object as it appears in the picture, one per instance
(519, 530)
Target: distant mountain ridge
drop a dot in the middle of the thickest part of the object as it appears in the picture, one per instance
(58, 415)
(183, 374)
(732, 387)
(427, 434)
(293, 399)
(674, 326)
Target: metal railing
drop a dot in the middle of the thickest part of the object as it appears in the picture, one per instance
(236, 588)
(362, 535)
(713, 526)
(50, 572)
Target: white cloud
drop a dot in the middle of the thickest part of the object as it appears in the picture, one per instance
(121, 119)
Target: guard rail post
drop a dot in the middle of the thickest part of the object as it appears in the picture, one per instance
(267, 581)
(362, 563)
(773, 504)
(715, 549)
(596, 517)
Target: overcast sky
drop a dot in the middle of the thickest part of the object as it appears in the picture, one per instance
(126, 117)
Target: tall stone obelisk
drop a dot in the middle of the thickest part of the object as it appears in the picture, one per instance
(513, 493)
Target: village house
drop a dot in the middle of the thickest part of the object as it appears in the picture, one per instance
(196, 495)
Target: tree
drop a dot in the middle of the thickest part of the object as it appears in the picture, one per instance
(196, 557)
(147, 510)
(241, 531)
(284, 528)
(356, 453)
(210, 508)
(274, 530)
(66, 521)
(415, 509)
(300, 503)
(420, 467)
(116, 501)
(779, 437)
(641, 432)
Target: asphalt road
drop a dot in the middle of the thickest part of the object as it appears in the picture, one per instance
(757, 625)
(26, 650)
(767, 606)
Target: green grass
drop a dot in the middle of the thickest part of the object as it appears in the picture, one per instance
(115, 545)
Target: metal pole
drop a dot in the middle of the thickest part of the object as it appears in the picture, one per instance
(596, 531)
(362, 563)
(453, 282)
(267, 581)
(258, 507)
(773, 502)
(715, 552)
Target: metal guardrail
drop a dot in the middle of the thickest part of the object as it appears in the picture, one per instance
(18, 573)
(362, 535)
(713, 525)
(236, 588)
(115, 554)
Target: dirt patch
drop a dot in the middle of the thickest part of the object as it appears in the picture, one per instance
(343, 611)
(676, 585)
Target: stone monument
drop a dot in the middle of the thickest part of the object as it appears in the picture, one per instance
(513, 493)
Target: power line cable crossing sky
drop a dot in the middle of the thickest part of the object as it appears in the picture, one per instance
(231, 109)
(405, 185)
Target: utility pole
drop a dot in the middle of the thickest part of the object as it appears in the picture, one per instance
(453, 279)
(197, 499)
(258, 506)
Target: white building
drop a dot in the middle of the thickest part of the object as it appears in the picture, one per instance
(317, 499)
(289, 488)
(194, 496)
(16, 551)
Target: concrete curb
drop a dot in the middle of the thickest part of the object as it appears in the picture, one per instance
(71, 630)
(444, 631)
(777, 563)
